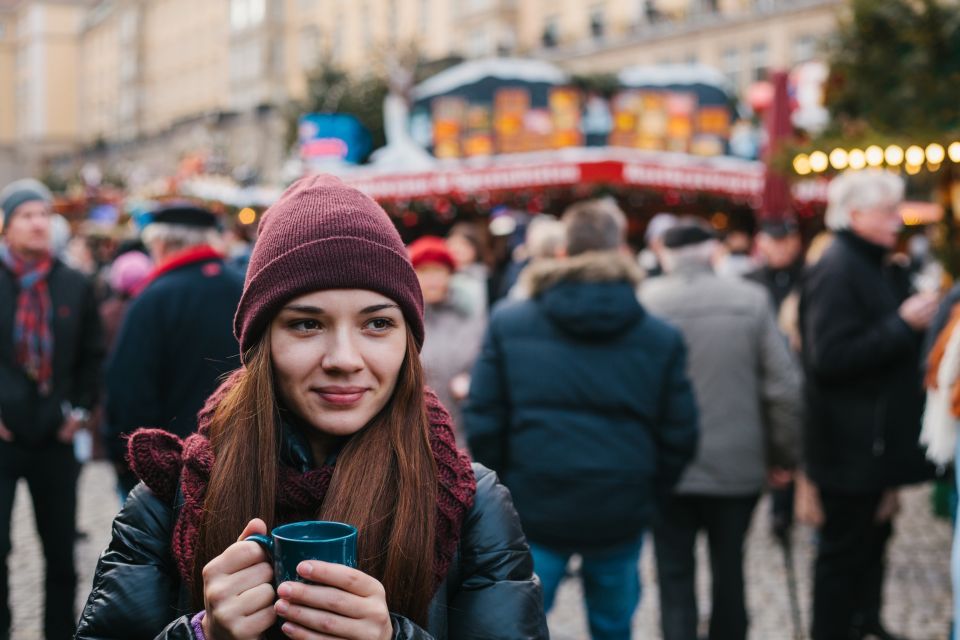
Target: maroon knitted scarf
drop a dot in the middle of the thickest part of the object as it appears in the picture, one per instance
(161, 459)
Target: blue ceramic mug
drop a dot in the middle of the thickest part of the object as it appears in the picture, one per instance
(290, 544)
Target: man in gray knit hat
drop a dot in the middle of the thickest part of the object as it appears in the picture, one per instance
(50, 355)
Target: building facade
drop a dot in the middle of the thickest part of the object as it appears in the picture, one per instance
(149, 85)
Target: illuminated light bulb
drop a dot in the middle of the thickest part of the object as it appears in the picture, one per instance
(954, 151)
(874, 155)
(857, 159)
(913, 169)
(819, 161)
(838, 159)
(914, 155)
(935, 153)
(247, 216)
(893, 155)
(801, 164)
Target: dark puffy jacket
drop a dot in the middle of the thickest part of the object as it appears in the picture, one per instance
(77, 357)
(490, 590)
(581, 402)
(863, 388)
(175, 345)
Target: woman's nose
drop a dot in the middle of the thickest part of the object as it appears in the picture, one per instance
(342, 353)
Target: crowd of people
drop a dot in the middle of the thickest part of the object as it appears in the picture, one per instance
(328, 371)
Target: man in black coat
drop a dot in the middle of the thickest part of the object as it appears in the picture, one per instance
(177, 338)
(50, 355)
(781, 248)
(581, 402)
(861, 333)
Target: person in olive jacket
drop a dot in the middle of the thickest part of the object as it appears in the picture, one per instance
(50, 354)
(861, 333)
(175, 342)
(328, 419)
(580, 401)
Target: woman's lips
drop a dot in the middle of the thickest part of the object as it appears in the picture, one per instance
(342, 396)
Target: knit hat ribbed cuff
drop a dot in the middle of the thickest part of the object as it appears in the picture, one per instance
(339, 262)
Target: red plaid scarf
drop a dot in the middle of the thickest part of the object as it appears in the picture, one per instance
(33, 324)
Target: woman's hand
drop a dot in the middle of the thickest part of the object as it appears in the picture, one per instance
(343, 603)
(237, 590)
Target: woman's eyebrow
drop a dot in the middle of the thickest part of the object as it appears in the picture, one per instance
(304, 308)
(378, 307)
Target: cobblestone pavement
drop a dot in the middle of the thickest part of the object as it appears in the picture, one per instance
(917, 596)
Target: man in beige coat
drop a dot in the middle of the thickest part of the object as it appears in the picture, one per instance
(748, 390)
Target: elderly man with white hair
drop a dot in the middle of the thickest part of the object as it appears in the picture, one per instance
(861, 328)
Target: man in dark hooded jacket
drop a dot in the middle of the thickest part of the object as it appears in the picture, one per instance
(580, 400)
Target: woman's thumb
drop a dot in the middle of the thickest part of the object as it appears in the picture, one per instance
(254, 526)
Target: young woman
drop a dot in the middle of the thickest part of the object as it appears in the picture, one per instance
(327, 419)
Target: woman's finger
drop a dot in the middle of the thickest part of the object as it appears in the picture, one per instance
(256, 599)
(236, 557)
(255, 576)
(254, 526)
(325, 598)
(306, 630)
(340, 576)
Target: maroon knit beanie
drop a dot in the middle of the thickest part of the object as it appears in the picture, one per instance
(322, 234)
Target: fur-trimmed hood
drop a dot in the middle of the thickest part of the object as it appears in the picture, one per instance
(589, 267)
(591, 296)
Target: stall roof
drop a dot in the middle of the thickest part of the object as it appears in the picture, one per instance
(663, 75)
(473, 71)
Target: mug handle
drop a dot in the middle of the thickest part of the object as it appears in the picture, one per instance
(264, 541)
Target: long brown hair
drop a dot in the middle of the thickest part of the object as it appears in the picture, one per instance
(384, 482)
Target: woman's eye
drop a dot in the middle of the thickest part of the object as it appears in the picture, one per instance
(304, 325)
(380, 324)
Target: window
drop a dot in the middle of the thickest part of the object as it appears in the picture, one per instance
(479, 43)
(258, 10)
(424, 16)
(804, 49)
(309, 47)
(759, 61)
(597, 22)
(128, 25)
(246, 13)
(550, 36)
(730, 63)
(239, 14)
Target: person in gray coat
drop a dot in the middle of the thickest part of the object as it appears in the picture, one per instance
(455, 324)
(748, 391)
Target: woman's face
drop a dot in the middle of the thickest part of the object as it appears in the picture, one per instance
(462, 249)
(434, 282)
(336, 357)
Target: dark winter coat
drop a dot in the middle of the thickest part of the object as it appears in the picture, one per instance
(779, 282)
(136, 589)
(77, 357)
(581, 402)
(863, 388)
(175, 344)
